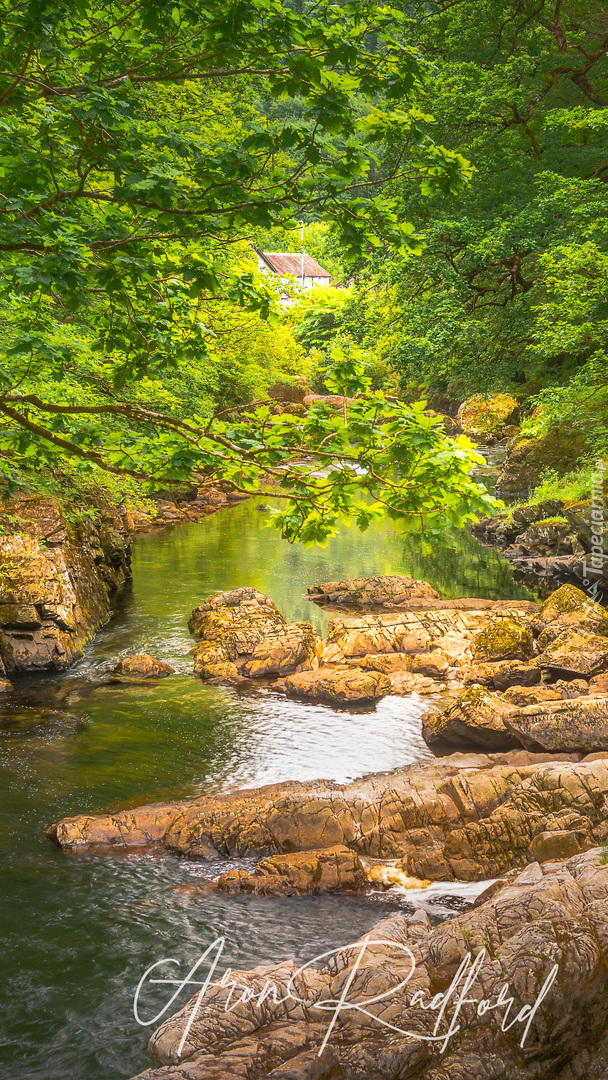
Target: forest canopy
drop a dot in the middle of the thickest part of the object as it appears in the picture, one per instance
(449, 160)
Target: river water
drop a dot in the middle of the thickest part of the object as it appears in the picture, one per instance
(79, 930)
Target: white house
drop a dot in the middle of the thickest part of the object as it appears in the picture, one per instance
(296, 268)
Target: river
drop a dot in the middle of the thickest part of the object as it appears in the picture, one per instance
(78, 931)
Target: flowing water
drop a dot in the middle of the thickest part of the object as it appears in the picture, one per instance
(79, 930)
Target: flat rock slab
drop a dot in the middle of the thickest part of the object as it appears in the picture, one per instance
(408, 631)
(386, 590)
(577, 724)
(464, 816)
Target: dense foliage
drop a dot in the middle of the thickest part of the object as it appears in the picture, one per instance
(143, 147)
(510, 292)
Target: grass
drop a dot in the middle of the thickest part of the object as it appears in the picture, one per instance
(570, 488)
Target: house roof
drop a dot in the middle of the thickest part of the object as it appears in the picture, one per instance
(284, 263)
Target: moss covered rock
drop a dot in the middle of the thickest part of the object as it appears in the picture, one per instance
(484, 417)
(503, 639)
(576, 654)
(476, 718)
(568, 608)
(550, 536)
(56, 578)
(579, 724)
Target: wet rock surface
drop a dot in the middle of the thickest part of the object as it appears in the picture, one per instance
(338, 686)
(334, 869)
(543, 934)
(56, 582)
(465, 816)
(142, 666)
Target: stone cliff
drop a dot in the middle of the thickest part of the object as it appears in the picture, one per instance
(57, 572)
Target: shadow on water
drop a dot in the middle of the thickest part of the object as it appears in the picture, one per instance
(78, 931)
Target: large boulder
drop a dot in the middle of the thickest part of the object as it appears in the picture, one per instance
(566, 608)
(503, 639)
(501, 674)
(388, 591)
(573, 654)
(583, 515)
(549, 536)
(338, 686)
(520, 696)
(484, 417)
(559, 449)
(228, 626)
(476, 718)
(142, 666)
(576, 724)
(335, 869)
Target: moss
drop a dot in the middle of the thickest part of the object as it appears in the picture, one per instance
(565, 599)
(504, 639)
(551, 521)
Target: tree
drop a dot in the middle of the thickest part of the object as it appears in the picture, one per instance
(521, 88)
(134, 171)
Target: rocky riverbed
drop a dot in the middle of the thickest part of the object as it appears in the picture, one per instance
(517, 710)
(515, 987)
(525, 684)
